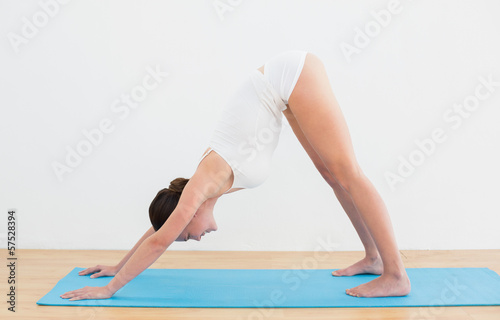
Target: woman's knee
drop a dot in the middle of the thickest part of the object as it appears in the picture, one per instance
(332, 181)
(329, 178)
(345, 175)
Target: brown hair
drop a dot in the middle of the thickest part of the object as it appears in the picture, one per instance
(165, 202)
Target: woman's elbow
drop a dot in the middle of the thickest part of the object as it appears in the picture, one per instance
(157, 244)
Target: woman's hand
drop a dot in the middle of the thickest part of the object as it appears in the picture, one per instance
(88, 293)
(102, 271)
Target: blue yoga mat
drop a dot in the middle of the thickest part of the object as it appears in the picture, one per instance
(294, 288)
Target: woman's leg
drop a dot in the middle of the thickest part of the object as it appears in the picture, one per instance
(372, 262)
(319, 116)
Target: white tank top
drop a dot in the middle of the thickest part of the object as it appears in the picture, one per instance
(249, 126)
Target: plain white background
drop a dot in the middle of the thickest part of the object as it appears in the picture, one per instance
(397, 77)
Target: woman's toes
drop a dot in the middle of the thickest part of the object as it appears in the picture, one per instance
(352, 292)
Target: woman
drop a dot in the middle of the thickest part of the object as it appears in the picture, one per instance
(294, 83)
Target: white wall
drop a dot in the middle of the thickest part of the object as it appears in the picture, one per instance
(396, 86)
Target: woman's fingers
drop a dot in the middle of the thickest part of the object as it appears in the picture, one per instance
(99, 271)
(89, 270)
(79, 297)
(71, 294)
(87, 293)
(74, 295)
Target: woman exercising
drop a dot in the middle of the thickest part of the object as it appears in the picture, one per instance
(294, 83)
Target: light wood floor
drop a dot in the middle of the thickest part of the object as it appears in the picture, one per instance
(39, 270)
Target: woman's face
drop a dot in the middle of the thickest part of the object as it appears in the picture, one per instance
(203, 222)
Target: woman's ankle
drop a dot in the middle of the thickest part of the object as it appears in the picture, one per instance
(396, 272)
(372, 256)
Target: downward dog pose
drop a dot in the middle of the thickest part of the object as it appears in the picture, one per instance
(294, 83)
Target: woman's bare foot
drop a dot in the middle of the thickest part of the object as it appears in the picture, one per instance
(366, 265)
(387, 285)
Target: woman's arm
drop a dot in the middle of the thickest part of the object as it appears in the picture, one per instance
(152, 248)
(147, 253)
(131, 252)
(199, 188)
(103, 271)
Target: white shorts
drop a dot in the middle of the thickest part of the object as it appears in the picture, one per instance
(283, 71)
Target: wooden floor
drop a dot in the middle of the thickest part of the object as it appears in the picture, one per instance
(39, 270)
